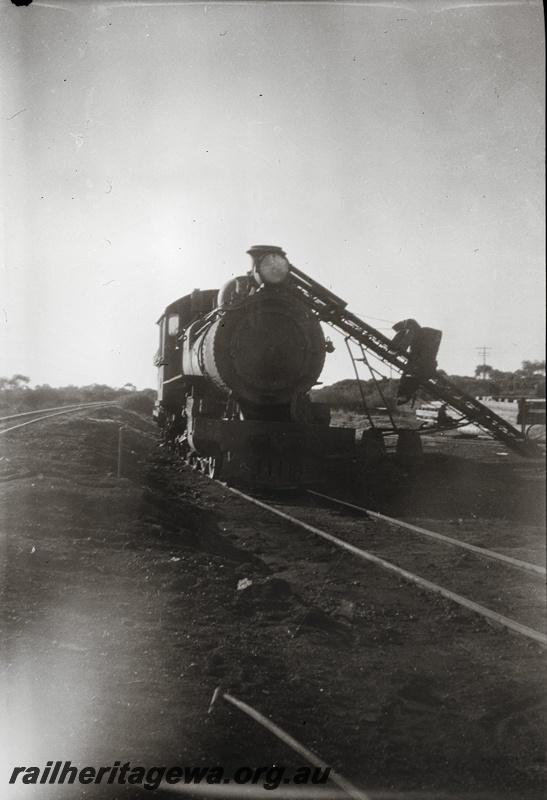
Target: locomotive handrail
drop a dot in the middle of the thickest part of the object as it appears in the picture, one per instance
(332, 310)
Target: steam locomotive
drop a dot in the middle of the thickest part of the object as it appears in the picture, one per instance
(235, 370)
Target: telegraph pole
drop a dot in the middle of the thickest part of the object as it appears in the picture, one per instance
(483, 351)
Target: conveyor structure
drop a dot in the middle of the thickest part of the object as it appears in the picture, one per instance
(333, 310)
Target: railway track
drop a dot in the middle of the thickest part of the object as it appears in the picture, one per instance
(449, 540)
(46, 413)
(392, 617)
(506, 591)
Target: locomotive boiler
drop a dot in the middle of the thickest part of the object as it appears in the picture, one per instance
(235, 370)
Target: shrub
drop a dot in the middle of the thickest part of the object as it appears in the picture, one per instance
(140, 402)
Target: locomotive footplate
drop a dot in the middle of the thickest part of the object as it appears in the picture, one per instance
(270, 454)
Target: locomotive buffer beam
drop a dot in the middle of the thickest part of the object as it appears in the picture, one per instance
(332, 310)
(271, 453)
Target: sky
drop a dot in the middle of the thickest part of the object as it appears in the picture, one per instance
(395, 150)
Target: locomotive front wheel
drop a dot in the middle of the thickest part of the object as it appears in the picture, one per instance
(183, 449)
(193, 461)
(214, 466)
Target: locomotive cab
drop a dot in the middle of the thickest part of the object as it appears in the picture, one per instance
(177, 317)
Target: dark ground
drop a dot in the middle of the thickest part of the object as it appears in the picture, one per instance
(121, 614)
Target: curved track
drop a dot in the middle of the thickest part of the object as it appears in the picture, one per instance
(57, 413)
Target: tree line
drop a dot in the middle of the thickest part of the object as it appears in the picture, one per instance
(17, 396)
(528, 381)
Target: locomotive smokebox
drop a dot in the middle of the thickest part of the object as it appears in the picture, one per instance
(264, 350)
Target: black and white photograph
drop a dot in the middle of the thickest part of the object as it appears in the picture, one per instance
(272, 400)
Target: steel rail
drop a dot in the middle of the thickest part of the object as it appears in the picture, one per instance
(481, 551)
(58, 408)
(294, 744)
(403, 573)
(48, 416)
